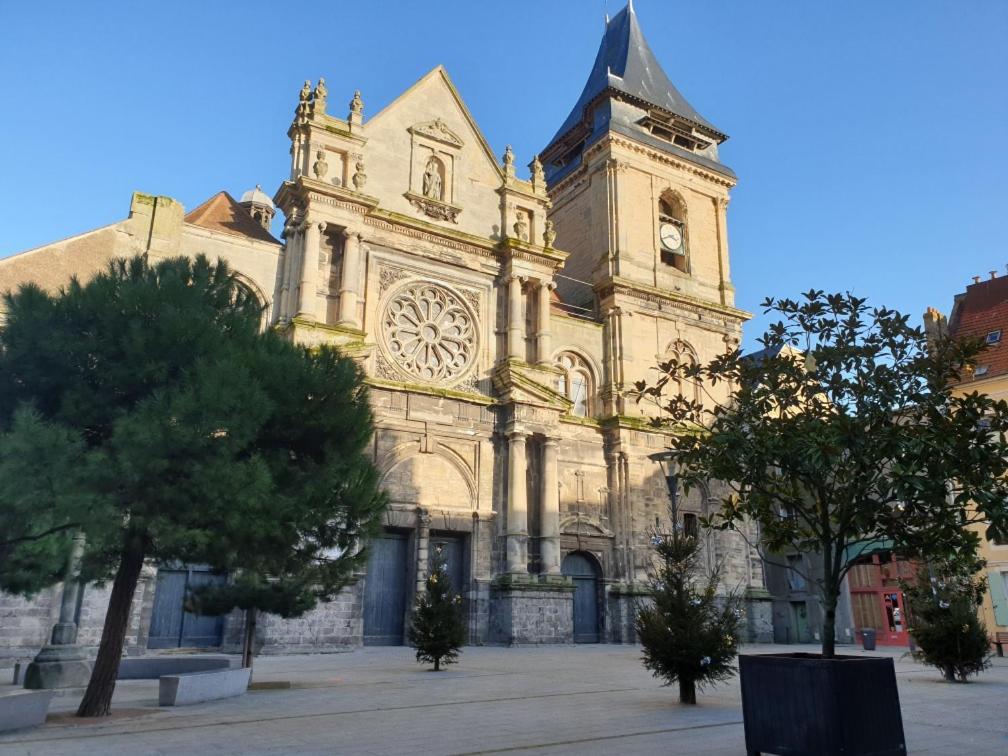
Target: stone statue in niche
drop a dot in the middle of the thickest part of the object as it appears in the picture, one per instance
(521, 225)
(432, 184)
(321, 167)
(549, 235)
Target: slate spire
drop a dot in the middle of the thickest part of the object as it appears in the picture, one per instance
(626, 70)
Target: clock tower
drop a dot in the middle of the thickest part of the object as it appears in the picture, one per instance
(639, 202)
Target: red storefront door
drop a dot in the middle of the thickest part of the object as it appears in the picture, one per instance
(877, 601)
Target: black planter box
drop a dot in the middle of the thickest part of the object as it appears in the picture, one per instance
(804, 705)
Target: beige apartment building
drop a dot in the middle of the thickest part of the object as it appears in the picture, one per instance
(502, 323)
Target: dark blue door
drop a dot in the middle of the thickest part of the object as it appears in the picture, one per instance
(171, 625)
(584, 572)
(385, 590)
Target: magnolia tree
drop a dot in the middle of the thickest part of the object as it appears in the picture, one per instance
(843, 432)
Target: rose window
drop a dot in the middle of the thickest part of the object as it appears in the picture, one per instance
(429, 332)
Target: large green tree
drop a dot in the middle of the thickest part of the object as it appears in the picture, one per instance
(173, 428)
(845, 431)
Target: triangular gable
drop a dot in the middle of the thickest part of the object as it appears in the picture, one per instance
(223, 214)
(439, 73)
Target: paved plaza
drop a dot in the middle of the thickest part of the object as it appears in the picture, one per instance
(541, 700)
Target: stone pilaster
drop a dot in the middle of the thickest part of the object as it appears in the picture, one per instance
(348, 279)
(308, 305)
(516, 319)
(517, 506)
(544, 337)
(549, 518)
(423, 548)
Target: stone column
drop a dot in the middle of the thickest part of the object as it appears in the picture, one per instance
(516, 319)
(423, 548)
(517, 506)
(62, 663)
(549, 516)
(544, 338)
(308, 306)
(348, 279)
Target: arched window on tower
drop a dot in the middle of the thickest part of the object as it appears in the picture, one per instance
(575, 382)
(685, 359)
(672, 232)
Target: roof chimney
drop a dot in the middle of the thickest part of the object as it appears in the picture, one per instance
(976, 279)
(993, 274)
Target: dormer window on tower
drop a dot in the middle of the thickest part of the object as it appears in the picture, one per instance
(672, 233)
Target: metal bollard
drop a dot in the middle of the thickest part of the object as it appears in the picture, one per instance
(17, 673)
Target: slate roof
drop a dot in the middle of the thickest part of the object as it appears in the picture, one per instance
(626, 69)
(221, 213)
(626, 64)
(981, 309)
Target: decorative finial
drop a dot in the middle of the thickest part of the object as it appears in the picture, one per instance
(549, 234)
(509, 170)
(356, 117)
(538, 176)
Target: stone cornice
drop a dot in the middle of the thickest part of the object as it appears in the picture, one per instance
(684, 302)
(303, 190)
(583, 172)
(419, 388)
(517, 249)
(418, 229)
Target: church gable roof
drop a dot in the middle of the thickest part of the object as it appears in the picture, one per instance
(439, 78)
(223, 214)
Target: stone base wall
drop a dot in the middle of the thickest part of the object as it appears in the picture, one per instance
(531, 615)
(332, 626)
(622, 612)
(759, 627)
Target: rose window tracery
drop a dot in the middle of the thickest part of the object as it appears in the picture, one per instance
(429, 332)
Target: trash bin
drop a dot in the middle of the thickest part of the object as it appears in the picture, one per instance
(868, 638)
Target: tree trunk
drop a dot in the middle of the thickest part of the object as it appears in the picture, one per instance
(249, 642)
(829, 628)
(687, 691)
(97, 699)
(437, 663)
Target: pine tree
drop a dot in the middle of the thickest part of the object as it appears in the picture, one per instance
(944, 623)
(438, 628)
(173, 428)
(687, 632)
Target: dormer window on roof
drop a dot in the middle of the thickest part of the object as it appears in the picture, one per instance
(993, 337)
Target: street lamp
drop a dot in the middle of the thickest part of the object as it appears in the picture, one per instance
(668, 460)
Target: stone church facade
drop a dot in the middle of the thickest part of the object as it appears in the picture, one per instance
(502, 323)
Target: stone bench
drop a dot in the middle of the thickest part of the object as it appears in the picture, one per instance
(153, 667)
(181, 690)
(25, 708)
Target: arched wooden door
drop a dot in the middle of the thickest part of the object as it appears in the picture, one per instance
(585, 573)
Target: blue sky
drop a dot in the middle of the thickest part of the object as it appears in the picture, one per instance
(869, 138)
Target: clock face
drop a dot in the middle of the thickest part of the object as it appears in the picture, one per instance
(671, 236)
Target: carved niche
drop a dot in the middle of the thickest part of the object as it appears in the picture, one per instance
(429, 332)
(434, 153)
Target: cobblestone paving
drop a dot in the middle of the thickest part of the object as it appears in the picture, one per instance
(537, 700)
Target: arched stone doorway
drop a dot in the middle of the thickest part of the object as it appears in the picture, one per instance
(584, 571)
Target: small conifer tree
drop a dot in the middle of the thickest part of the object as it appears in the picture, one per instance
(688, 633)
(438, 628)
(949, 634)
